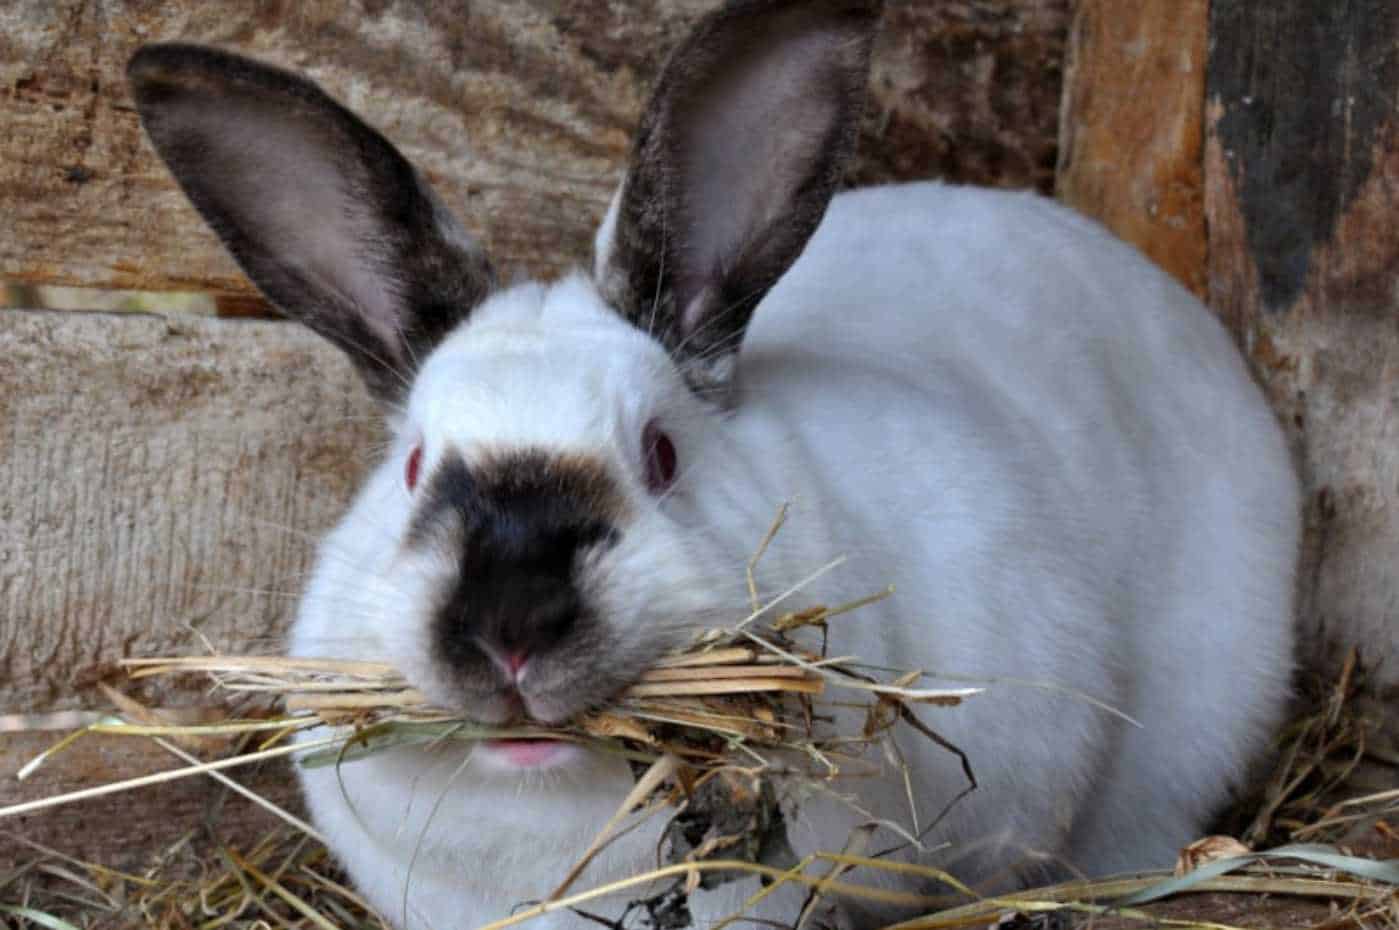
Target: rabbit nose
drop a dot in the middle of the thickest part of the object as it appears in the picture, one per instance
(536, 615)
(510, 663)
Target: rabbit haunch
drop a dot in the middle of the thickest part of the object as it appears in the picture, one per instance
(1052, 451)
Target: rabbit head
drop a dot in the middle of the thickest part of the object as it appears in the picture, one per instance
(535, 538)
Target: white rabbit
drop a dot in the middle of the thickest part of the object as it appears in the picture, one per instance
(1052, 451)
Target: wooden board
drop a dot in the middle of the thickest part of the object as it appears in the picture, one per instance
(1302, 191)
(161, 482)
(520, 113)
(1130, 143)
(1283, 220)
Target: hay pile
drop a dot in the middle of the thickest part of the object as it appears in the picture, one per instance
(285, 880)
(715, 719)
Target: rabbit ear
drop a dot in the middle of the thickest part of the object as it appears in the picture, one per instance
(742, 145)
(325, 216)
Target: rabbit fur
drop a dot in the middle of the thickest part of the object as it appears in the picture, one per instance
(1051, 450)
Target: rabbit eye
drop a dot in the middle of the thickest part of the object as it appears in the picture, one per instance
(410, 471)
(661, 460)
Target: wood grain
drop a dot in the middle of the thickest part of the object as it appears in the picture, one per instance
(161, 483)
(1302, 188)
(1131, 137)
(519, 112)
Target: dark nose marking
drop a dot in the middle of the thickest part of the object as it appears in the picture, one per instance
(523, 520)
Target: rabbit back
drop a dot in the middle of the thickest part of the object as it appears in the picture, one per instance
(1057, 456)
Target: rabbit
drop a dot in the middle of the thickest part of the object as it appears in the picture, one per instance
(1053, 453)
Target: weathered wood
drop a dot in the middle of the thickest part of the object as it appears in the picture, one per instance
(1302, 188)
(163, 482)
(1131, 137)
(521, 125)
(520, 113)
(966, 91)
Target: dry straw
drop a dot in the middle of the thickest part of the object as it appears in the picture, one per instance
(733, 697)
(745, 699)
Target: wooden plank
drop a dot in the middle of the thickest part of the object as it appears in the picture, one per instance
(1302, 188)
(163, 482)
(520, 113)
(1131, 138)
(521, 126)
(160, 481)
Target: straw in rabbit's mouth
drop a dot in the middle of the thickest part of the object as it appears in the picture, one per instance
(732, 697)
(727, 695)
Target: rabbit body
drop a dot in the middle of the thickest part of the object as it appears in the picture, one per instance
(1049, 448)
(1051, 451)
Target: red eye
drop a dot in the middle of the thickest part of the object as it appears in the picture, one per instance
(660, 458)
(410, 472)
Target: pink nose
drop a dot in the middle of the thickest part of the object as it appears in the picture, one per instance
(514, 662)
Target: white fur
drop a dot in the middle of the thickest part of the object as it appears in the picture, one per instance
(1052, 451)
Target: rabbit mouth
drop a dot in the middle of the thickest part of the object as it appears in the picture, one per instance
(530, 753)
(537, 749)
(534, 713)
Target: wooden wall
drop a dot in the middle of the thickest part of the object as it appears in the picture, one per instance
(520, 113)
(164, 478)
(1253, 149)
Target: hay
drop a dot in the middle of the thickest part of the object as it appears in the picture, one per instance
(734, 697)
(285, 880)
(736, 700)
(1333, 768)
(288, 881)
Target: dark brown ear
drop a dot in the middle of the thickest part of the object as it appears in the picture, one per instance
(742, 145)
(324, 215)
